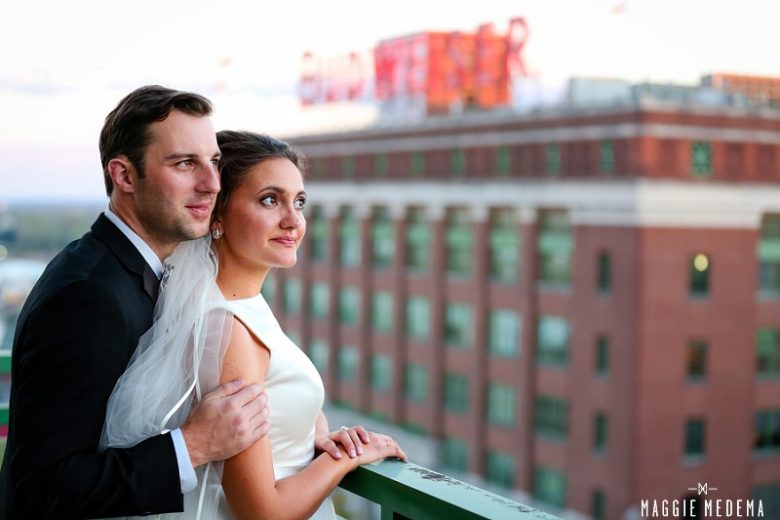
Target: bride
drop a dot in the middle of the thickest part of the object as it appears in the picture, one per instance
(212, 325)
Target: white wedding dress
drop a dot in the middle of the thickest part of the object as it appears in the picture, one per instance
(179, 360)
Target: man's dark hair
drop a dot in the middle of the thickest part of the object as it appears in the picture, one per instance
(241, 151)
(126, 129)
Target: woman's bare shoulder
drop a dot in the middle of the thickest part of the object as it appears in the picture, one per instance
(246, 356)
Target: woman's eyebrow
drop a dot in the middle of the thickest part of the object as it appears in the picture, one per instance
(277, 189)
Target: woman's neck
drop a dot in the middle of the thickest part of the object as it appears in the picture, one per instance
(238, 283)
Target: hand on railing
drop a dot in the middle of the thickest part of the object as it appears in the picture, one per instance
(359, 444)
(380, 447)
(351, 440)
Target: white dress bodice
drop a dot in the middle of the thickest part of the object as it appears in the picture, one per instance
(295, 392)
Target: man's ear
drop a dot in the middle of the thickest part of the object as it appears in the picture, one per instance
(122, 173)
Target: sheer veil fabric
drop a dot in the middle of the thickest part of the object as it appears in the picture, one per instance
(177, 361)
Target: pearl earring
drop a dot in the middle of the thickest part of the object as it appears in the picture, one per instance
(216, 234)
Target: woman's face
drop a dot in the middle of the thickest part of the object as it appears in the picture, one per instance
(263, 223)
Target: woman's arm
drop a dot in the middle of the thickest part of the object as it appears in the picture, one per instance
(248, 478)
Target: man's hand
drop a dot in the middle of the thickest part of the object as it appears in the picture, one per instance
(227, 421)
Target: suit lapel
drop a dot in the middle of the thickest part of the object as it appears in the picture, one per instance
(126, 254)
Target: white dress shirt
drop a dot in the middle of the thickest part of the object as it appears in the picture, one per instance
(187, 476)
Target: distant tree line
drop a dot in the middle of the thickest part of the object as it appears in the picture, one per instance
(41, 230)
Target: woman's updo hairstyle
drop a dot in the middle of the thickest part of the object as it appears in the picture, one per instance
(242, 151)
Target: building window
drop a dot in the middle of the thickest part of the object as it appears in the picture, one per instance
(554, 245)
(349, 237)
(294, 336)
(552, 341)
(348, 363)
(459, 241)
(382, 311)
(380, 165)
(607, 157)
(416, 383)
(604, 275)
(504, 334)
(292, 296)
(598, 505)
(417, 163)
(503, 161)
(695, 432)
(500, 468)
(551, 417)
(458, 328)
(767, 431)
(701, 159)
(319, 354)
(382, 239)
(268, 290)
(697, 359)
(418, 317)
(504, 246)
(602, 356)
(349, 305)
(418, 240)
(550, 486)
(600, 430)
(318, 301)
(380, 416)
(768, 352)
(381, 372)
(458, 162)
(502, 403)
(456, 393)
(766, 164)
(455, 454)
(769, 256)
(348, 166)
(317, 235)
(553, 162)
(700, 275)
(319, 167)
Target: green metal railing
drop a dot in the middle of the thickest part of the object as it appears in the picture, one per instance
(407, 491)
(5, 368)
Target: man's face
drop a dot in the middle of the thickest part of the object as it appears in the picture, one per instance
(175, 197)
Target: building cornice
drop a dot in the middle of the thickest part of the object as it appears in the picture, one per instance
(493, 138)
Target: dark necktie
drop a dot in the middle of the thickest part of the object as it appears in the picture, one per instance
(151, 283)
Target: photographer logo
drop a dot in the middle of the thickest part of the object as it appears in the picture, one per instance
(702, 506)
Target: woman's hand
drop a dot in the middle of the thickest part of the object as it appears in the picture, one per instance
(351, 439)
(381, 447)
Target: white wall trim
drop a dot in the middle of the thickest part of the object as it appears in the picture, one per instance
(629, 203)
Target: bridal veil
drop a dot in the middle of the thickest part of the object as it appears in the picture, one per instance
(177, 361)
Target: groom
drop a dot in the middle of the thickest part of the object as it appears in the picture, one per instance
(82, 321)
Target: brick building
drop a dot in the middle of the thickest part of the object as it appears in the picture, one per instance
(581, 304)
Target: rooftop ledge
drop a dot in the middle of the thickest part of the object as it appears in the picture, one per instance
(407, 491)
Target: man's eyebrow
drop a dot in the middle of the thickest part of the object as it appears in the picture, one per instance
(175, 156)
(182, 155)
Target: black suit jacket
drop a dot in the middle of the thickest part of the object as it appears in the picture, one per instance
(74, 338)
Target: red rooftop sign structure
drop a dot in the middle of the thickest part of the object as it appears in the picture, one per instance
(434, 72)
